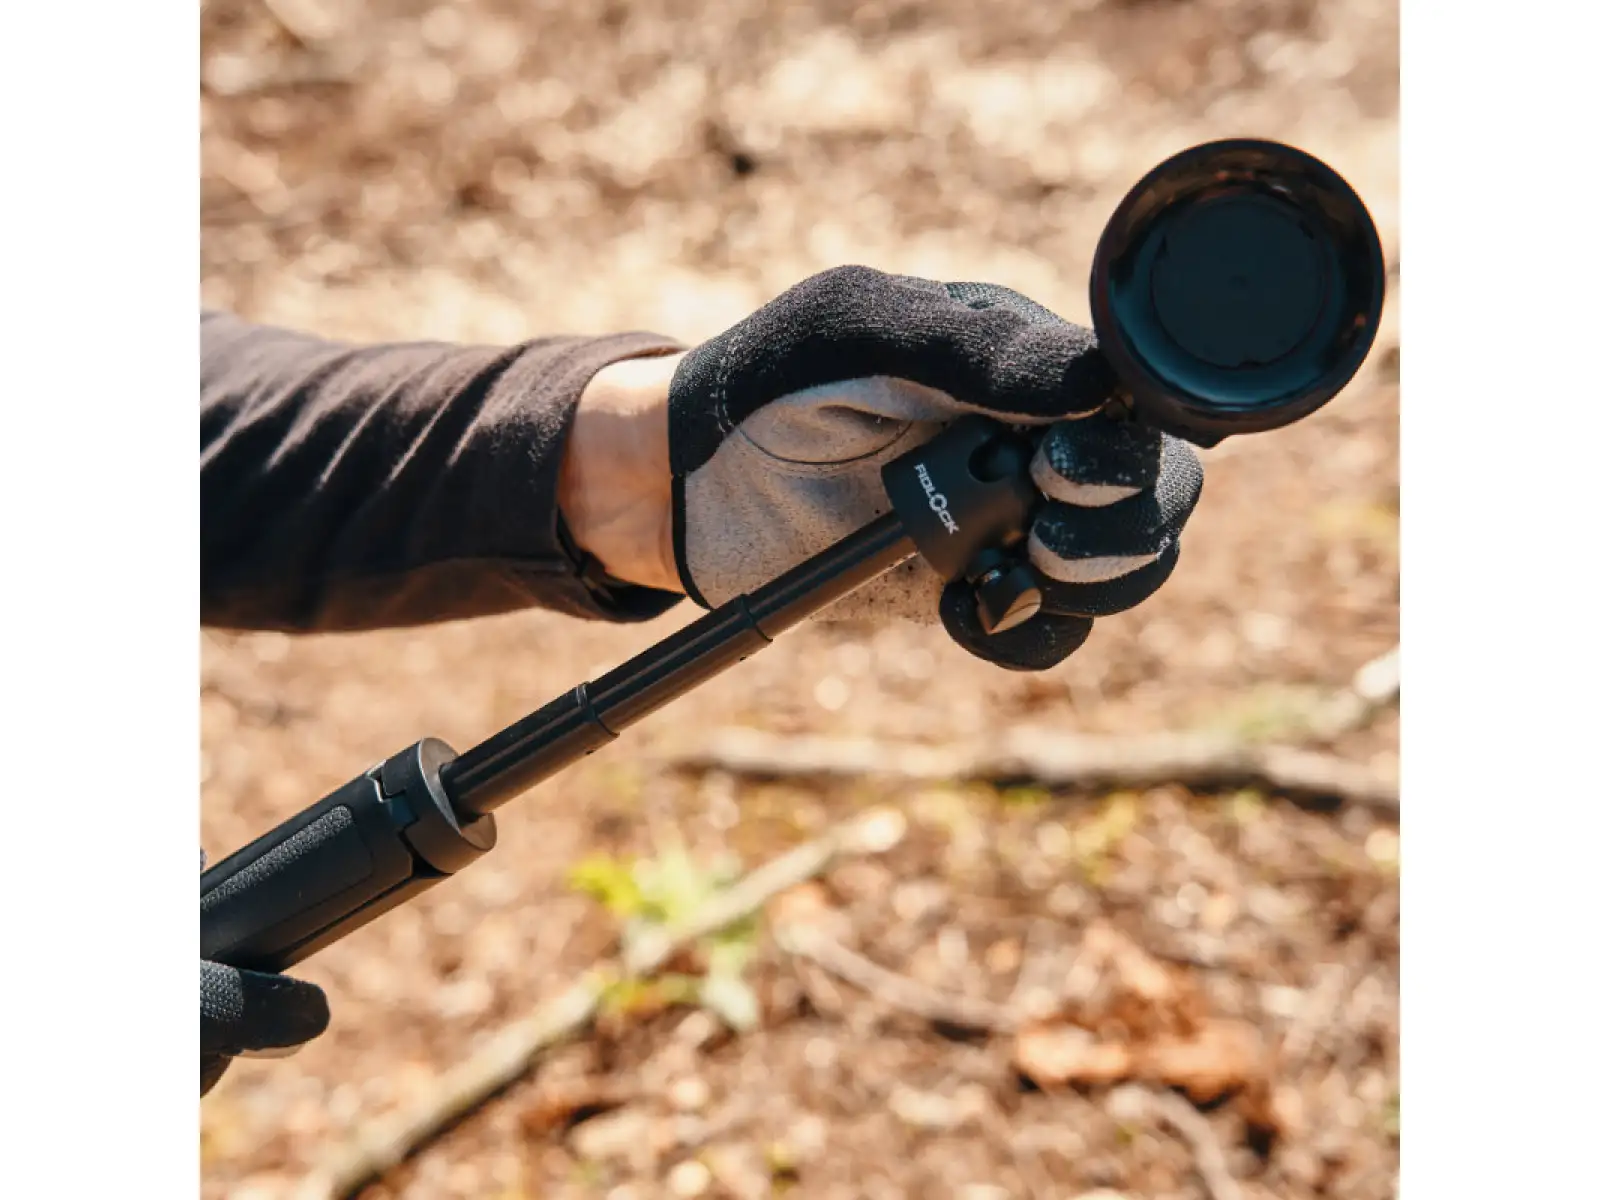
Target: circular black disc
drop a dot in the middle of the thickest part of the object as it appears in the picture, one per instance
(1237, 288)
(1237, 282)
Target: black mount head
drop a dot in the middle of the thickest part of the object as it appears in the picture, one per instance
(964, 499)
(1237, 288)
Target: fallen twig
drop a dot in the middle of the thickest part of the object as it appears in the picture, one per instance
(897, 991)
(745, 897)
(1053, 759)
(1028, 988)
(1048, 757)
(1375, 686)
(307, 24)
(509, 1053)
(237, 80)
(1029, 1163)
(731, 1116)
(1210, 1163)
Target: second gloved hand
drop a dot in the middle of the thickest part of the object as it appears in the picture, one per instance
(253, 1012)
(779, 427)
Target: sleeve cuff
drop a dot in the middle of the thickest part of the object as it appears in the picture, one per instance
(580, 587)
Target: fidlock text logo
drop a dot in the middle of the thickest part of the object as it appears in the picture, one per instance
(936, 500)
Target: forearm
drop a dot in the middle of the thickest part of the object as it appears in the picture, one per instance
(347, 488)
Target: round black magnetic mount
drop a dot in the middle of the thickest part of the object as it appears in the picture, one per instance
(1237, 288)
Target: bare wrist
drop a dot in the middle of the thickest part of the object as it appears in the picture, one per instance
(615, 488)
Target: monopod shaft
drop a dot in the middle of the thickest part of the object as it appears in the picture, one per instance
(423, 814)
(592, 714)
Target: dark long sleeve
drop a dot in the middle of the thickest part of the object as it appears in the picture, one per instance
(352, 487)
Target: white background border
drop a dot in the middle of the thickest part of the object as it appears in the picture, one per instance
(99, 529)
(1499, 430)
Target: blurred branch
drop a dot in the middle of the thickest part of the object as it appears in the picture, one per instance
(1048, 757)
(317, 54)
(1030, 1164)
(305, 21)
(1054, 760)
(511, 1052)
(232, 78)
(1374, 688)
(1134, 1101)
(1210, 1163)
(897, 991)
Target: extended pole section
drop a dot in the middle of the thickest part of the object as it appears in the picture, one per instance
(592, 714)
(424, 814)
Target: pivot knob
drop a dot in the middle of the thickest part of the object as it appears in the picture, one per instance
(1007, 595)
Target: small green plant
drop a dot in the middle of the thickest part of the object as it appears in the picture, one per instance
(610, 882)
(1101, 834)
(630, 997)
(950, 809)
(783, 1166)
(1095, 842)
(1024, 797)
(589, 1174)
(650, 895)
(1245, 807)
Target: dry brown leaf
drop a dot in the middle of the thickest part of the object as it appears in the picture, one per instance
(1126, 993)
(1219, 1058)
(561, 1106)
(1065, 1055)
(1267, 1111)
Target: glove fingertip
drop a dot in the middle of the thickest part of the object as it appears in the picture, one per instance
(1097, 453)
(1111, 596)
(1042, 642)
(254, 1010)
(307, 1017)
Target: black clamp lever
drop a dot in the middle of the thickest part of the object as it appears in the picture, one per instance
(964, 498)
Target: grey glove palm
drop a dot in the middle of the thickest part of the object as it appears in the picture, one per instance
(779, 428)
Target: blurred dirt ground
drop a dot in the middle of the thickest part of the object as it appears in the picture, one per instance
(489, 170)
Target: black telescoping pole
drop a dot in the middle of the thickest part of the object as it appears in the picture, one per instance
(396, 830)
(592, 714)
(960, 501)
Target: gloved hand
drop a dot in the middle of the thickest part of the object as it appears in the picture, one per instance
(249, 1012)
(778, 429)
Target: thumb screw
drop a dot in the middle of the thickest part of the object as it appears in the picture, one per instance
(1007, 596)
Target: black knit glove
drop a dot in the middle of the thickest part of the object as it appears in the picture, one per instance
(779, 428)
(249, 1012)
